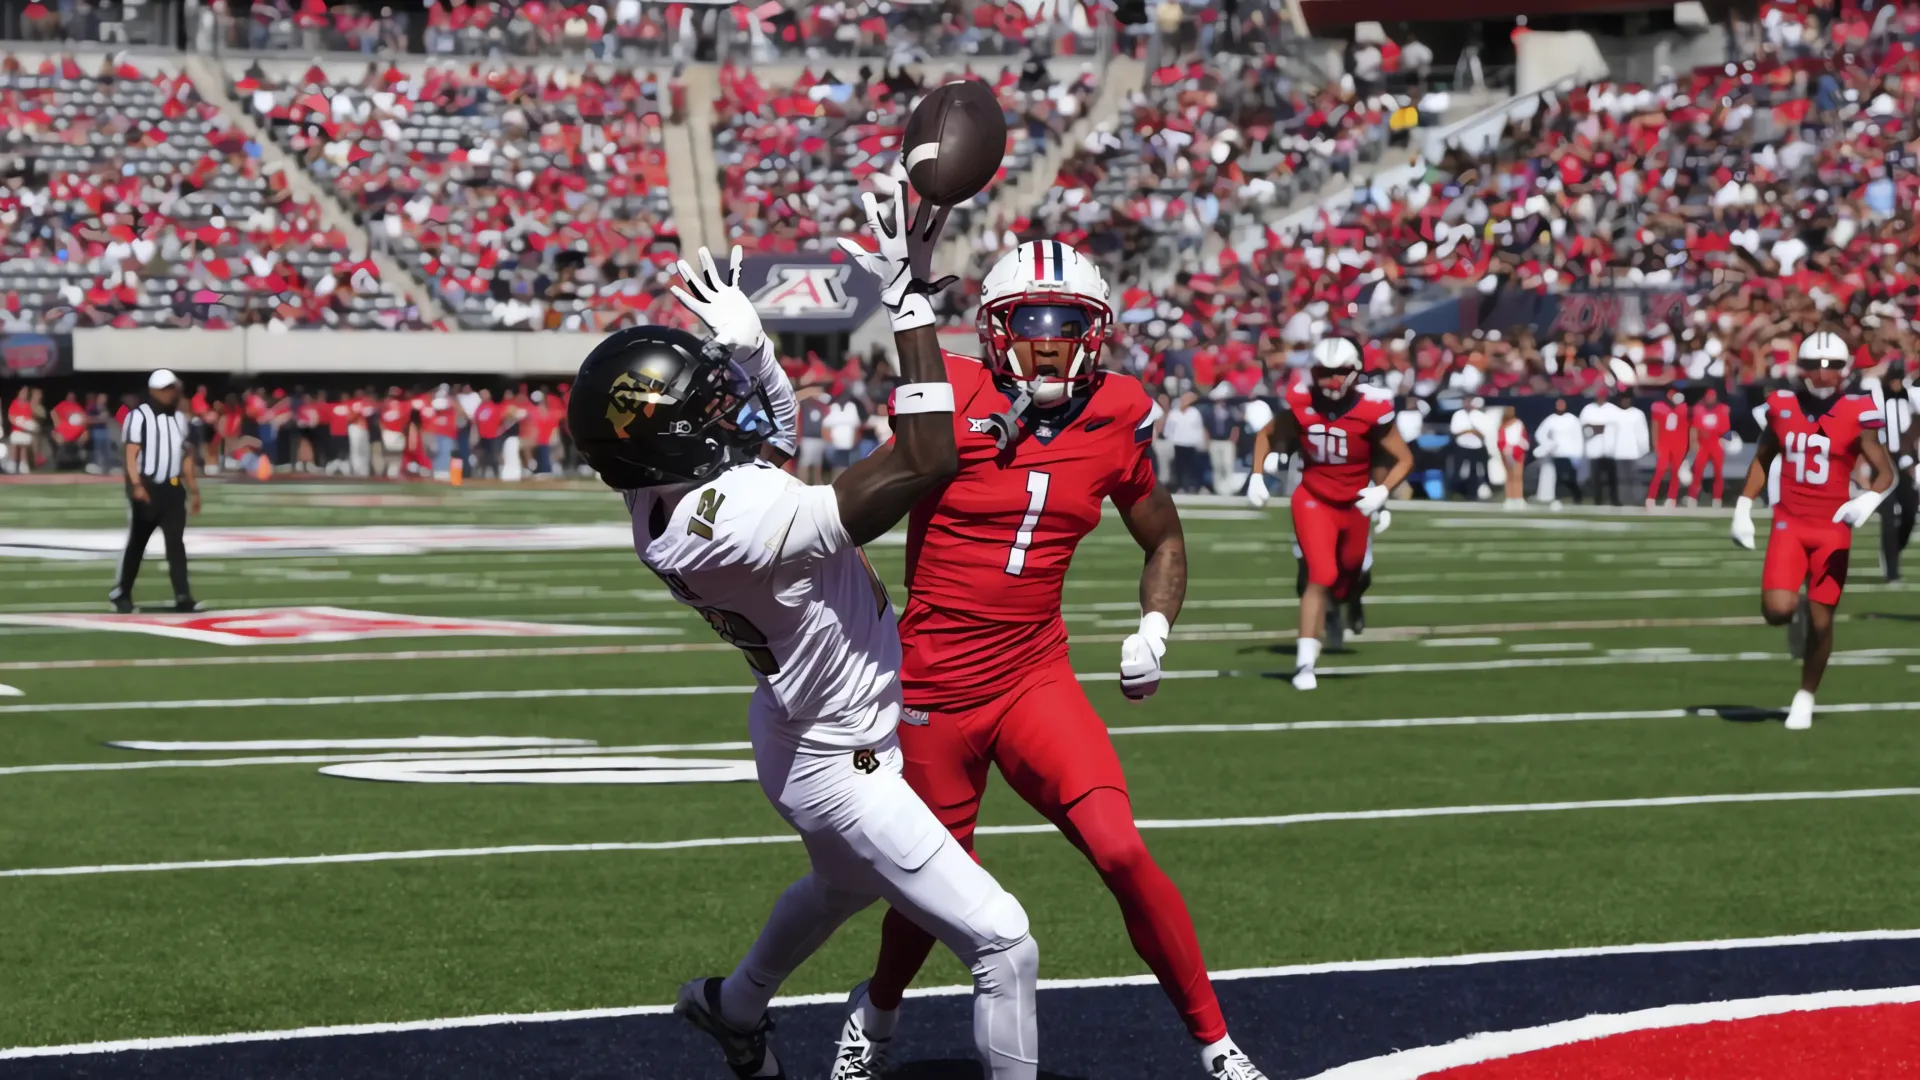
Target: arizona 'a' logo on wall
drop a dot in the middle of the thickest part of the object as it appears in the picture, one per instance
(796, 291)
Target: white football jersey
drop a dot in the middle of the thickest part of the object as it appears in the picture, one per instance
(765, 559)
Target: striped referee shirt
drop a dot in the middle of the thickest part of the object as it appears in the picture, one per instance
(162, 438)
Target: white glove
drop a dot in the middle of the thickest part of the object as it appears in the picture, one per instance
(1858, 510)
(1382, 521)
(1743, 522)
(905, 259)
(1257, 492)
(1372, 498)
(720, 302)
(1140, 657)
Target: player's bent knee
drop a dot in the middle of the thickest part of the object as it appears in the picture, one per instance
(998, 925)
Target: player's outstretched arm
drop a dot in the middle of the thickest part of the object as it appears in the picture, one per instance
(1280, 433)
(1764, 452)
(1155, 525)
(878, 491)
(1859, 509)
(719, 301)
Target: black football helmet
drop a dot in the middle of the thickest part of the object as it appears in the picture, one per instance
(653, 406)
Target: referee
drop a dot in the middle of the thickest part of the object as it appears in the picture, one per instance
(161, 489)
(1902, 436)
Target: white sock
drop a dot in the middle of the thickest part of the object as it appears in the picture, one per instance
(1803, 699)
(1307, 652)
(879, 1024)
(1224, 1045)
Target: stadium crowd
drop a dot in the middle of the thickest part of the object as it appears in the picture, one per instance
(794, 159)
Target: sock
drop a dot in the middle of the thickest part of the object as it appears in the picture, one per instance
(878, 1023)
(904, 949)
(1101, 826)
(1803, 699)
(743, 1000)
(1307, 652)
(1216, 1049)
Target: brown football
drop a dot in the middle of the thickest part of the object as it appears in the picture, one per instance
(954, 142)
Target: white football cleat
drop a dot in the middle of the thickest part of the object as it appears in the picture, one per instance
(858, 1055)
(1304, 680)
(1800, 713)
(1234, 1065)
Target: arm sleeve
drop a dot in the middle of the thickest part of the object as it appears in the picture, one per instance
(1137, 482)
(764, 367)
(815, 530)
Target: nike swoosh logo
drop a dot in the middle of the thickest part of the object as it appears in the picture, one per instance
(1096, 425)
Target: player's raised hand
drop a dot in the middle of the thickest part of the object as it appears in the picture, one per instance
(904, 263)
(719, 300)
(1371, 499)
(1743, 523)
(1257, 492)
(1382, 521)
(1140, 657)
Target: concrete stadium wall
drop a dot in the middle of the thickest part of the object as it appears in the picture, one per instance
(257, 351)
(1546, 57)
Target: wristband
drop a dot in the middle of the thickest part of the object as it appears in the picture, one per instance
(914, 312)
(921, 397)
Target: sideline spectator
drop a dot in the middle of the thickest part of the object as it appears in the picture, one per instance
(1186, 430)
(1560, 446)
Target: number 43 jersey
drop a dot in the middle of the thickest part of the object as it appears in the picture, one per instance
(766, 561)
(988, 553)
(1818, 450)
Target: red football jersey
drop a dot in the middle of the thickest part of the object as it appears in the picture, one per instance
(987, 554)
(1818, 455)
(1670, 426)
(1712, 422)
(1337, 451)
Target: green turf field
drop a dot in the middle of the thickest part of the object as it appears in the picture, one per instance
(1529, 635)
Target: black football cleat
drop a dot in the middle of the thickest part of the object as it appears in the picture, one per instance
(747, 1052)
(122, 605)
(1356, 616)
(186, 605)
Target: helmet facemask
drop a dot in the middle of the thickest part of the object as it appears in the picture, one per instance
(1820, 378)
(1047, 345)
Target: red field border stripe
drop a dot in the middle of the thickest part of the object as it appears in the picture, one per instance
(1335, 967)
(1275, 821)
(1488, 1046)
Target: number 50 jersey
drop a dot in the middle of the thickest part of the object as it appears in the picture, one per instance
(1818, 453)
(1338, 450)
(988, 553)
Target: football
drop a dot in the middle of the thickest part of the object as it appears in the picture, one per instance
(955, 139)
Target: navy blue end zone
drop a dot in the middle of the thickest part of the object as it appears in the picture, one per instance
(1294, 1026)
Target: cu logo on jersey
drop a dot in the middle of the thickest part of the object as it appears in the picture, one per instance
(805, 292)
(866, 761)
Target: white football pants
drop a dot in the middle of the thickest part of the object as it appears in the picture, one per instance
(869, 838)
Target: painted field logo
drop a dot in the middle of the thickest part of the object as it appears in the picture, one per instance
(310, 625)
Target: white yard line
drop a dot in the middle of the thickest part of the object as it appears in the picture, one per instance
(1862, 657)
(1460, 642)
(1117, 731)
(334, 759)
(1274, 821)
(378, 699)
(178, 1042)
(1551, 646)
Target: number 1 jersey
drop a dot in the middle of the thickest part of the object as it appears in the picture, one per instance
(1818, 453)
(987, 554)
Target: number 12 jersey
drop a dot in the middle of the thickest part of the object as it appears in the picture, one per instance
(987, 554)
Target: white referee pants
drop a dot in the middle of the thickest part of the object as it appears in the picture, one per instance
(869, 837)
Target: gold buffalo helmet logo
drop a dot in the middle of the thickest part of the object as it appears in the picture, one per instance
(636, 393)
(866, 761)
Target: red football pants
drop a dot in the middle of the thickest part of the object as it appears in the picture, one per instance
(1813, 553)
(1053, 749)
(1666, 465)
(1711, 453)
(1333, 541)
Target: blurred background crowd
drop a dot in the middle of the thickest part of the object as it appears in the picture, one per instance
(1250, 184)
